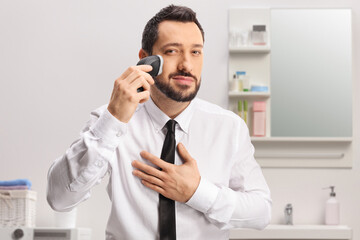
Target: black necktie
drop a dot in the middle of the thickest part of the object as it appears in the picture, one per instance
(167, 206)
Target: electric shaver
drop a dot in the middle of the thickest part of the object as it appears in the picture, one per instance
(156, 61)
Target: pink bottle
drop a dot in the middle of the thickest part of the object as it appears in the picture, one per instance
(259, 119)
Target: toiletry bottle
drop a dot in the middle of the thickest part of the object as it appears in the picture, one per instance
(234, 84)
(245, 82)
(240, 109)
(245, 116)
(240, 76)
(259, 119)
(244, 37)
(288, 214)
(258, 35)
(332, 209)
(232, 38)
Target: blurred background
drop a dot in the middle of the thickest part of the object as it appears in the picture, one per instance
(58, 62)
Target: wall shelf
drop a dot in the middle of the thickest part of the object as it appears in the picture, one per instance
(294, 232)
(300, 152)
(249, 94)
(301, 139)
(301, 155)
(250, 49)
(252, 59)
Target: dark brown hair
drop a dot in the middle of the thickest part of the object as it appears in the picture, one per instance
(171, 12)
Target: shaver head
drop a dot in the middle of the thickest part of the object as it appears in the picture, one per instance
(156, 61)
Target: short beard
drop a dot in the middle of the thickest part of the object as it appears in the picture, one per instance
(177, 96)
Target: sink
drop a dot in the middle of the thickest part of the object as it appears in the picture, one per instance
(339, 232)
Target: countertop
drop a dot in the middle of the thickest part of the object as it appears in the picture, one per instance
(338, 232)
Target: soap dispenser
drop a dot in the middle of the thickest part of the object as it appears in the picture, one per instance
(332, 209)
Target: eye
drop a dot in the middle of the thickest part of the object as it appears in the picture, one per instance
(197, 52)
(170, 51)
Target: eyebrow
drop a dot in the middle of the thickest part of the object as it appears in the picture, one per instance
(179, 45)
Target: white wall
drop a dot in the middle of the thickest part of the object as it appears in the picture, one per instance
(58, 61)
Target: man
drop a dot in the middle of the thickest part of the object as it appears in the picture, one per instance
(214, 184)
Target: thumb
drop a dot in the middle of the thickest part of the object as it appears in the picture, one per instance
(184, 154)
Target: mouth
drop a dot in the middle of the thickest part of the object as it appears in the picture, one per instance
(182, 80)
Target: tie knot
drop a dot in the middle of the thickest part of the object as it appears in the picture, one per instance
(170, 125)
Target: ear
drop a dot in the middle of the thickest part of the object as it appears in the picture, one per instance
(143, 53)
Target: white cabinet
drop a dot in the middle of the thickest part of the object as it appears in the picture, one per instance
(300, 100)
(274, 149)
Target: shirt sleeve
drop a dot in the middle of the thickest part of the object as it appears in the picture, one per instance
(86, 162)
(246, 201)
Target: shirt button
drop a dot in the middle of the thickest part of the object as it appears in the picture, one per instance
(118, 134)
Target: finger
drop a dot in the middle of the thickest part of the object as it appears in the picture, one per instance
(132, 69)
(147, 69)
(184, 154)
(143, 96)
(138, 75)
(144, 68)
(147, 169)
(149, 178)
(154, 187)
(154, 160)
(140, 82)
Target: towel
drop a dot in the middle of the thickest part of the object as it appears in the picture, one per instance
(16, 182)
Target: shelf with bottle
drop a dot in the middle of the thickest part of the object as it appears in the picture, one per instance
(241, 39)
(250, 49)
(302, 139)
(254, 114)
(241, 87)
(246, 98)
(238, 94)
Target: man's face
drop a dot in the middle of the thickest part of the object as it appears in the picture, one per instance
(181, 46)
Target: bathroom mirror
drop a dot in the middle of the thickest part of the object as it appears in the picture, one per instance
(311, 73)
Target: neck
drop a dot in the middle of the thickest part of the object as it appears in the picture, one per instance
(170, 107)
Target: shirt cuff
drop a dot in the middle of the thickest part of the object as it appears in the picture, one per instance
(108, 127)
(204, 196)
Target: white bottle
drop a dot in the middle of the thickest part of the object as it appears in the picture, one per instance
(234, 84)
(244, 81)
(241, 75)
(332, 209)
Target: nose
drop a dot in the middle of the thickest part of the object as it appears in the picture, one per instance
(185, 63)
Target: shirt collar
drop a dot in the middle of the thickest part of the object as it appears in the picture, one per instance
(159, 118)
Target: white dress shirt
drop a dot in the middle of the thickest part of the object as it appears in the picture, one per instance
(232, 190)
